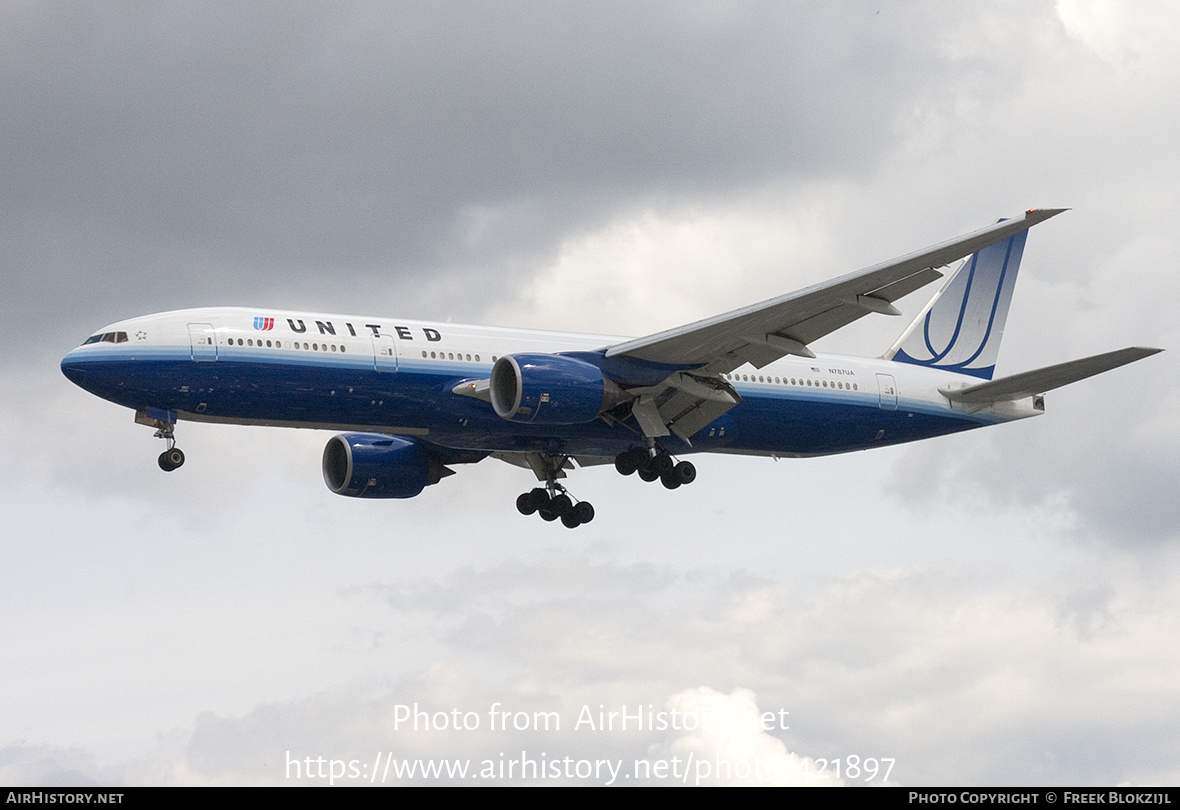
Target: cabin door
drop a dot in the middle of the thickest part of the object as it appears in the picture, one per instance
(888, 392)
(384, 353)
(203, 341)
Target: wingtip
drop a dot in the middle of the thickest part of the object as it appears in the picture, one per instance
(1041, 214)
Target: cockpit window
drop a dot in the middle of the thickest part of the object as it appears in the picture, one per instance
(106, 337)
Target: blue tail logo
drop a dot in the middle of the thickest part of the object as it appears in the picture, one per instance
(961, 328)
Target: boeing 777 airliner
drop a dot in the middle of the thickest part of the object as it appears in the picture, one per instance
(414, 397)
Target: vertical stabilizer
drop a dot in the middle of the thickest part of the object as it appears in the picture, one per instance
(960, 329)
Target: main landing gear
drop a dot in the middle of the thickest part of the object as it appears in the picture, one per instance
(655, 462)
(173, 457)
(553, 502)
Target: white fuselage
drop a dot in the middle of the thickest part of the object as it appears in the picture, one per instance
(342, 372)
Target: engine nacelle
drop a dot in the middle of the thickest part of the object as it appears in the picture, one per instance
(373, 465)
(548, 389)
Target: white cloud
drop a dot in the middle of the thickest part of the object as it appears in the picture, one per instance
(953, 677)
(1129, 36)
(725, 743)
(652, 270)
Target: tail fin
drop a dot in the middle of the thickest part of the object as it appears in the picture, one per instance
(960, 329)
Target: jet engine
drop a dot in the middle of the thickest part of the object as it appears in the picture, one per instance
(373, 465)
(549, 389)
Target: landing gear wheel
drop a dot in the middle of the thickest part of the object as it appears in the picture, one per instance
(561, 505)
(662, 462)
(648, 474)
(171, 459)
(532, 501)
(631, 460)
(685, 472)
(577, 514)
(584, 511)
(639, 457)
(624, 463)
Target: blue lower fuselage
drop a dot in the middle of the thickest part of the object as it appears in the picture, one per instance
(345, 392)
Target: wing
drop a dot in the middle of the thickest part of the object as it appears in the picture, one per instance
(672, 381)
(694, 357)
(762, 333)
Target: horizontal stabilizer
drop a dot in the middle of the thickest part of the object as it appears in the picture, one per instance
(1040, 380)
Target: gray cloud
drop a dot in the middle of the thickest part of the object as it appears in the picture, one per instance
(214, 151)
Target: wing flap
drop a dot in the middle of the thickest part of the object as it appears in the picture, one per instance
(681, 404)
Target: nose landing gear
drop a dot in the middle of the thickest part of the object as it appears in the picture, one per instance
(164, 421)
(173, 457)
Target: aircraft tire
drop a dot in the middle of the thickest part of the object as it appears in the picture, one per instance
(525, 504)
(584, 511)
(685, 472)
(171, 459)
(648, 474)
(639, 457)
(662, 462)
(670, 479)
(562, 505)
(570, 520)
(623, 463)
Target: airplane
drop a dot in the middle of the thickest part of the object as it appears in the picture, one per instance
(415, 398)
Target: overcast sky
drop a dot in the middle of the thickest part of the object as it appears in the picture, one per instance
(997, 607)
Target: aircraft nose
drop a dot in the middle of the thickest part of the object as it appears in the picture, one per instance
(73, 367)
